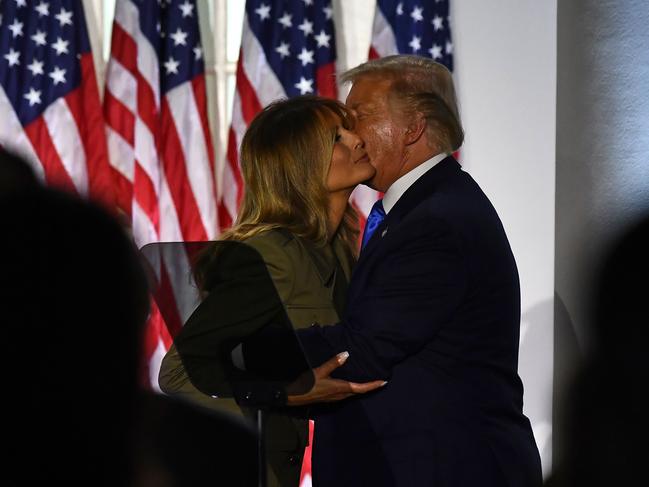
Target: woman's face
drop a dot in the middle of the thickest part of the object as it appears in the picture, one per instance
(350, 165)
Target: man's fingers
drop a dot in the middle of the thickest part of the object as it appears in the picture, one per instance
(330, 365)
(328, 389)
(357, 388)
(354, 388)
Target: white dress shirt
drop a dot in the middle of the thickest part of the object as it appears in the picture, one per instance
(396, 190)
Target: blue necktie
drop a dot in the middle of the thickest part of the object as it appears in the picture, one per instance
(374, 219)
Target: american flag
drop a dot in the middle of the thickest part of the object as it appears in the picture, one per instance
(413, 27)
(160, 145)
(288, 48)
(156, 122)
(49, 98)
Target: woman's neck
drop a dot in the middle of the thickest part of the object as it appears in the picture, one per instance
(336, 211)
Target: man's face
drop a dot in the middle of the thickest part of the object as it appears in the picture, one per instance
(379, 128)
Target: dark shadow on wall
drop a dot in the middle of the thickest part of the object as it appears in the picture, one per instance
(568, 357)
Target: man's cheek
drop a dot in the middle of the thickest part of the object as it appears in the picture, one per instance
(365, 128)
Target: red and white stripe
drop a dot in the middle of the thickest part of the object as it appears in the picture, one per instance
(384, 42)
(162, 160)
(256, 86)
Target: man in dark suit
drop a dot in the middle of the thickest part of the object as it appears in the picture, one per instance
(433, 308)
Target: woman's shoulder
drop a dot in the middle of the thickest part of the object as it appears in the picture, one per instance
(276, 244)
(276, 247)
(273, 236)
(268, 239)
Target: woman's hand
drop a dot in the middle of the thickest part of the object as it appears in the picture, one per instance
(327, 389)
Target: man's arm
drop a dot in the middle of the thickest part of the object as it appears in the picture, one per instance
(412, 292)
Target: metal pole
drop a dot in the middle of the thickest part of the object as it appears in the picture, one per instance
(261, 426)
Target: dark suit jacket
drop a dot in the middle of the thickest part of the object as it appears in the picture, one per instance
(434, 308)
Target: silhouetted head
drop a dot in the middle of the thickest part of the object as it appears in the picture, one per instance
(16, 175)
(74, 303)
(621, 303)
(606, 423)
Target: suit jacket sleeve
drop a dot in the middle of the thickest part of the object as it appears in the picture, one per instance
(412, 291)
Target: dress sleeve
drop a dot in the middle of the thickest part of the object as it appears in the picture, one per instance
(173, 380)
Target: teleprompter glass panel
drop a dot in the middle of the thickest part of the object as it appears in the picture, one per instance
(231, 329)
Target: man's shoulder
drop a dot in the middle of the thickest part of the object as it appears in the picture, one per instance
(456, 197)
(444, 190)
(455, 209)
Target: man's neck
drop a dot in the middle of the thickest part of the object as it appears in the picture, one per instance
(401, 185)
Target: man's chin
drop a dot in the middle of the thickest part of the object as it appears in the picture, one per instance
(369, 184)
(374, 184)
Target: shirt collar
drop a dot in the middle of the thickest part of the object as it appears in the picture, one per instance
(401, 185)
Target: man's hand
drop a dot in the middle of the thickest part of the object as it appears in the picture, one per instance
(327, 389)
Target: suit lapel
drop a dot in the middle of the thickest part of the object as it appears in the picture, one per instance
(374, 239)
(423, 188)
(415, 194)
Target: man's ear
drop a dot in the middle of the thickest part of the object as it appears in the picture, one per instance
(415, 129)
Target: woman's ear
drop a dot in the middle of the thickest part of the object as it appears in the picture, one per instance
(415, 129)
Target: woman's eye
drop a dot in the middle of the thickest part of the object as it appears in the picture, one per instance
(337, 138)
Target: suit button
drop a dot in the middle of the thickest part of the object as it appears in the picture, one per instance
(294, 459)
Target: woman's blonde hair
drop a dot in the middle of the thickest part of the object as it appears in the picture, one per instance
(285, 158)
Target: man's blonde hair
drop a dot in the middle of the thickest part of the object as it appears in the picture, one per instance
(419, 85)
